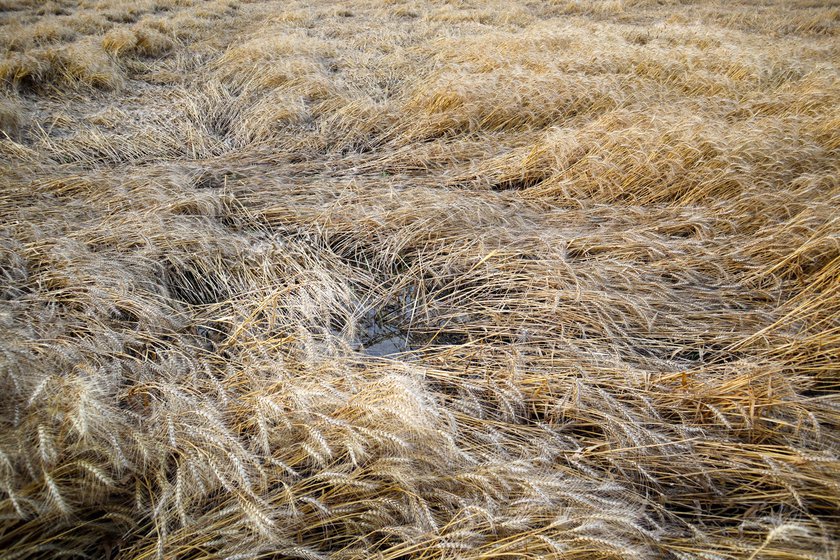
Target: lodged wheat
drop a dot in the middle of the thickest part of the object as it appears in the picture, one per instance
(428, 280)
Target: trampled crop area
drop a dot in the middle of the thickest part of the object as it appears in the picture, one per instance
(420, 279)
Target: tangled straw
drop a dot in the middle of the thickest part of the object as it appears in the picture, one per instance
(425, 280)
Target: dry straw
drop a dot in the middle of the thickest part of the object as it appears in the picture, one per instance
(426, 280)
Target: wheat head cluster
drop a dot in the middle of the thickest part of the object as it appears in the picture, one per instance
(428, 280)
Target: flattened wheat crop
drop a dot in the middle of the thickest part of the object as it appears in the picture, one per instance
(419, 280)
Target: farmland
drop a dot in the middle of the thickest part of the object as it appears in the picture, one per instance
(419, 279)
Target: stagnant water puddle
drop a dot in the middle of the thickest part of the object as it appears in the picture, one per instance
(386, 347)
(397, 328)
(385, 331)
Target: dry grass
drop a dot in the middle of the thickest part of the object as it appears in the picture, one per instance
(426, 280)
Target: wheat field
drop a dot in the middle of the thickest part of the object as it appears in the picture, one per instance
(445, 279)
